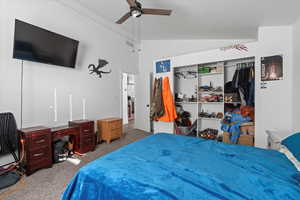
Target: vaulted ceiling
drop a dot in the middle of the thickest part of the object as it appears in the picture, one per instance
(198, 19)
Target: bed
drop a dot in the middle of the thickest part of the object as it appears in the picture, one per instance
(164, 167)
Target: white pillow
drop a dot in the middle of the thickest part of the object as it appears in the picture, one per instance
(283, 149)
(274, 141)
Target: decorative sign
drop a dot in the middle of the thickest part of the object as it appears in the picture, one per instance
(272, 68)
(98, 70)
(240, 47)
(163, 66)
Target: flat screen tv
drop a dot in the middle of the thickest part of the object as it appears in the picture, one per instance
(36, 44)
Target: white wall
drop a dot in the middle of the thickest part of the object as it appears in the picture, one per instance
(296, 76)
(156, 49)
(274, 104)
(103, 96)
(2, 39)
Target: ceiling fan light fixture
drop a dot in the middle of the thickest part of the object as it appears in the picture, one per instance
(135, 12)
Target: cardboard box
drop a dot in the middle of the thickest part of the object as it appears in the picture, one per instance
(243, 139)
(248, 129)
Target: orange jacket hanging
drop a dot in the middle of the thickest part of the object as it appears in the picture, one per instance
(168, 101)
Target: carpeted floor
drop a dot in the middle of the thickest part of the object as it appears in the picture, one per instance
(49, 184)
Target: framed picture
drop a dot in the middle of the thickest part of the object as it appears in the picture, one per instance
(163, 66)
(272, 68)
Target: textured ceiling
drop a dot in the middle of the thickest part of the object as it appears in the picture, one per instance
(198, 19)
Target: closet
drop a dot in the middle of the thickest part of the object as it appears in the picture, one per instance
(207, 95)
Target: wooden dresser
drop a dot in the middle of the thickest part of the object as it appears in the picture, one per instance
(86, 140)
(38, 148)
(109, 129)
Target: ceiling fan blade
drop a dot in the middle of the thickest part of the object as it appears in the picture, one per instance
(124, 18)
(132, 3)
(150, 11)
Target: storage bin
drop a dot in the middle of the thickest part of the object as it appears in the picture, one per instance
(182, 130)
(204, 70)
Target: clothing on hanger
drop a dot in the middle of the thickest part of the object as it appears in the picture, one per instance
(157, 108)
(243, 81)
(251, 100)
(168, 101)
(242, 96)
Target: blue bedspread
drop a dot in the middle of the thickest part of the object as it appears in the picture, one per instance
(166, 166)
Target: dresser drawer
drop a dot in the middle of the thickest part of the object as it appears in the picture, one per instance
(115, 124)
(39, 154)
(66, 132)
(88, 140)
(86, 130)
(87, 126)
(88, 144)
(39, 140)
(38, 164)
(116, 133)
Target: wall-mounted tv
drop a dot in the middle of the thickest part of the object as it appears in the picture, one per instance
(36, 44)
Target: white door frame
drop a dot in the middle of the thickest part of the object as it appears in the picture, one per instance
(124, 101)
(124, 98)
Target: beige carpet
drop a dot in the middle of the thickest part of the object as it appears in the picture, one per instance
(49, 184)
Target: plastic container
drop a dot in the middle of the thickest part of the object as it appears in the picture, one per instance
(183, 130)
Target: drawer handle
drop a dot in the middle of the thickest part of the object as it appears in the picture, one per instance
(38, 154)
(40, 141)
(86, 130)
(88, 141)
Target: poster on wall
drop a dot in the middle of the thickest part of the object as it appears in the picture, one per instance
(272, 68)
(163, 66)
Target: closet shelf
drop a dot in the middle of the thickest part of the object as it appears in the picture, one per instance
(187, 102)
(211, 93)
(213, 119)
(199, 102)
(211, 102)
(211, 74)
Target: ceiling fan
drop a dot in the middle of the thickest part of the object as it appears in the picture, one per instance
(136, 10)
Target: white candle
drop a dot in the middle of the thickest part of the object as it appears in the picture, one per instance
(55, 105)
(71, 106)
(83, 109)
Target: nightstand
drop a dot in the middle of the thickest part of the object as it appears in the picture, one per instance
(109, 129)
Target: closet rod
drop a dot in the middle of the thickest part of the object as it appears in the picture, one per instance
(235, 65)
(195, 70)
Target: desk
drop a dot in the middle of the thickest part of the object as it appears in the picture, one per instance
(62, 131)
(38, 142)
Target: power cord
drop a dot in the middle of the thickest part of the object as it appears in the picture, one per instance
(18, 170)
(16, 165)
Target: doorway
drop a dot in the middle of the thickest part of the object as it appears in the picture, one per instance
(128, 99)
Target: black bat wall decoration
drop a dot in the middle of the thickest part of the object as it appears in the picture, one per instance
(96, 70)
